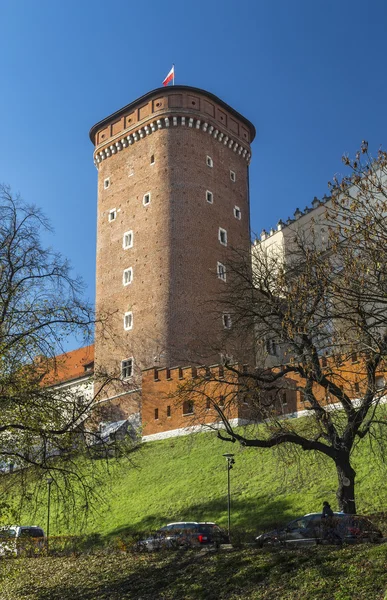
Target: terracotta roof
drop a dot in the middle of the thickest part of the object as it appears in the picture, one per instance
(71, 365)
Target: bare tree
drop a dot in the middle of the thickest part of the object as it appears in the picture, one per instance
(42, 425)
(316, 299)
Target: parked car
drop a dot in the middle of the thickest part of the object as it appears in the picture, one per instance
(18, 540)
(184, 534)
(314, 529)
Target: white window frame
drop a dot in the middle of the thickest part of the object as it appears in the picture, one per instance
(127, 360)
(130, 279)
(232, 176)
(209, 162)
(106, 183)
(146, 195)
(222, 233)
(128, 316)
(221, 271)
(237, 211)
(112, 215)
(226, 320)
(209, 197)
(130, 235)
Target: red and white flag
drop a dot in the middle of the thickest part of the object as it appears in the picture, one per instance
(170, 77)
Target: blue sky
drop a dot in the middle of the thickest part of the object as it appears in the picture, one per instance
(310, 74)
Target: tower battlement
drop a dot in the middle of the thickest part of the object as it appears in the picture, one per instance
(172, 107)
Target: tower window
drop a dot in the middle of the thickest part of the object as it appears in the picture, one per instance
(106, 183)
(127, 241)
(127, 276)
(112, 214)
(127, 368)
(209, 197)
(168, 411)
(222, 235)
(156, 414)
(146, 199)
(232, 176)
(271, 347)
(237, 213)
(226, 318)
(221, 271)
(209, 162)
(128, 321)
(152, 161)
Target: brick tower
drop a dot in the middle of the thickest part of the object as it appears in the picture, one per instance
(172, 201)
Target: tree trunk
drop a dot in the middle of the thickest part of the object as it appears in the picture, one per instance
(346, 490)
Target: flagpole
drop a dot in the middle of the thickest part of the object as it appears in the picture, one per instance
(173, 81)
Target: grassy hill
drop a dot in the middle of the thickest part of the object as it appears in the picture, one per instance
(186, 479)
(320, 573)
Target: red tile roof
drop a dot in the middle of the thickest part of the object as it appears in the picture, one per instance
(71, 365)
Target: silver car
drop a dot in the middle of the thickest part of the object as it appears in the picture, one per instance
(21, 540)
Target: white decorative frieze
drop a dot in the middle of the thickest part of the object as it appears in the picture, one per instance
(165, 122)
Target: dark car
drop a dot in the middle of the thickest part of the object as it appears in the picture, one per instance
(315, 529)
(184, 534)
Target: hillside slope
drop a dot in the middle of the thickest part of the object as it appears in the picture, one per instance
(186, 479)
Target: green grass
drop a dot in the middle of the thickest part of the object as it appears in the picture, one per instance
(319, 573)
(186, 479)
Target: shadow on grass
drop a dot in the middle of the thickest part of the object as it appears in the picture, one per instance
(251, 516)
(195, 576)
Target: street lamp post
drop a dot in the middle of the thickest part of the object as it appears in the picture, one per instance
(230, 461)
(49, 482)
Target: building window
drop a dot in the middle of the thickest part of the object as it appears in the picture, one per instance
(127, 241)
(156, 414)
(168, 411)
(209, 197)
(222, 235)
(112, 214)
(284, 399)
(237, 213)
(180, 373)
(226, 318)
(127, 276)
(146, 199)
(210, 162)
(128, 321)
(188, 407)
(232, 176)
(127, 368)
(357, 387)
(208, 404)
(106, 183)
(152, 162)
(354, 357)
(221, 401)
(168, 373)
(271, 347)
(221, 271)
